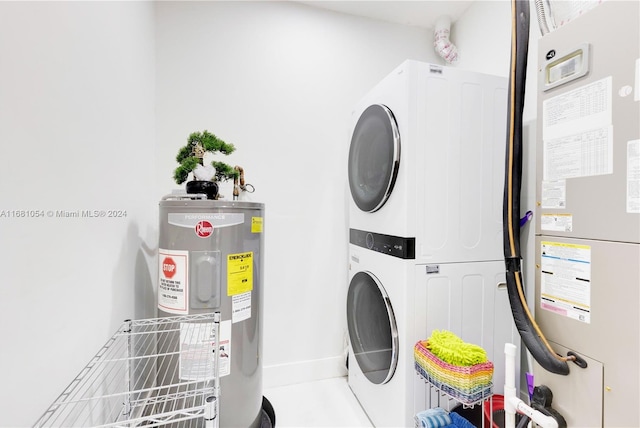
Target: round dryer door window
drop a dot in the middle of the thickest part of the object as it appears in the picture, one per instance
(374, 158)
(372, 328)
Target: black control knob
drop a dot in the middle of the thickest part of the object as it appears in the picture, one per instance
(369, 240)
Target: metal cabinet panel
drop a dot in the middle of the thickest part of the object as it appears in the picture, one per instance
(585, 127)
(612, 335)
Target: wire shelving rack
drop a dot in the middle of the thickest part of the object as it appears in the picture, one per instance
(151, 372)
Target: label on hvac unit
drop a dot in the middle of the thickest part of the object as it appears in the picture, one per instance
(173, 278)
(554, 194)
(583, 154)
(633, 177)
(636, 94)
(577, 132)
(197, 351)
(241, 307)
(239, 273)
(565, 280)
(556, 222)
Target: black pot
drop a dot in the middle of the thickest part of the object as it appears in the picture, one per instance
(209, 188)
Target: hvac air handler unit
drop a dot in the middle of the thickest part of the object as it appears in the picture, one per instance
(587, 242)
(588, 222)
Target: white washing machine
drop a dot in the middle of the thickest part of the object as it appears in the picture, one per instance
(380, 322)
(426, 173)
(426, 161)
(393, 302)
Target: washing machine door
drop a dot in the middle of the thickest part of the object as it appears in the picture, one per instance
(374, 157)
(372, 328)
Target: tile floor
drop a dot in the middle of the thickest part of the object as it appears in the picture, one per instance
(324, 403)
(329, 403)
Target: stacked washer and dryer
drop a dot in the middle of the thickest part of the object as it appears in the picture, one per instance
(426, 173)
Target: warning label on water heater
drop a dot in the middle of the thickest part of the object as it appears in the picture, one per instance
(172, 281)
(239, 273)
(197, 347)
(197, 351)
(241, 307)
(565, 280)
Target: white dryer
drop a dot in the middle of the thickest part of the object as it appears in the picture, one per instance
(393, 302)
(426, 161)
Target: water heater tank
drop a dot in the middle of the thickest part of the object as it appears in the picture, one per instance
(210, 259)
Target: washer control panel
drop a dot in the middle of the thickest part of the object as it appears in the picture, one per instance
(395, 246)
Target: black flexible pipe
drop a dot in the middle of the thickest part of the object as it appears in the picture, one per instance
(530, 334)
(523, 422)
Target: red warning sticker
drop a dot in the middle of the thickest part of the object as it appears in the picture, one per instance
(173, 287)
(168, 267)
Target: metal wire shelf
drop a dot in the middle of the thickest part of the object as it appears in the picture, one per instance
(442, 395)
(151, 372)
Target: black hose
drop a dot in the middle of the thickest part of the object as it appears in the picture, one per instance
(524, 421)
(530, 334)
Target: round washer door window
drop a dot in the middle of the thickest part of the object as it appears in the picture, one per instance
(374, 157)
(372, 328)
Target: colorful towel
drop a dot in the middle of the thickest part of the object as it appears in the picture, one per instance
(433, 418)
(460, 422)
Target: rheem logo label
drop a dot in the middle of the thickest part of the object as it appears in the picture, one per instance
(204, 229)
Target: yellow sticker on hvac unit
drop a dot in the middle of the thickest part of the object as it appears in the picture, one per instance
(239, 273)
(256, 224)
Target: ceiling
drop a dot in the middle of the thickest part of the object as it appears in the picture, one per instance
(416, 13)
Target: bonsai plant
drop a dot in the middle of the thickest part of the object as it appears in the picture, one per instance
(191, 160)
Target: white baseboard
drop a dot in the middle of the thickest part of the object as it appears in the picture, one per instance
(303, 371)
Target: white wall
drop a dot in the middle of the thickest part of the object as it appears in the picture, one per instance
(278, 80)
(76, 133)
(482, 36)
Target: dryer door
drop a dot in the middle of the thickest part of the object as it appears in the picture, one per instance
(374, 157)
(372, 328)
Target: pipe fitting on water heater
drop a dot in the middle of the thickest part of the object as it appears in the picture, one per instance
(443, 46)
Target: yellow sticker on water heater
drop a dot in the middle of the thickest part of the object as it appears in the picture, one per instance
(239, 273)
(256, 224)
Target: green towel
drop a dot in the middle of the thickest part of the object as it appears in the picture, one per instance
(453, 350)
